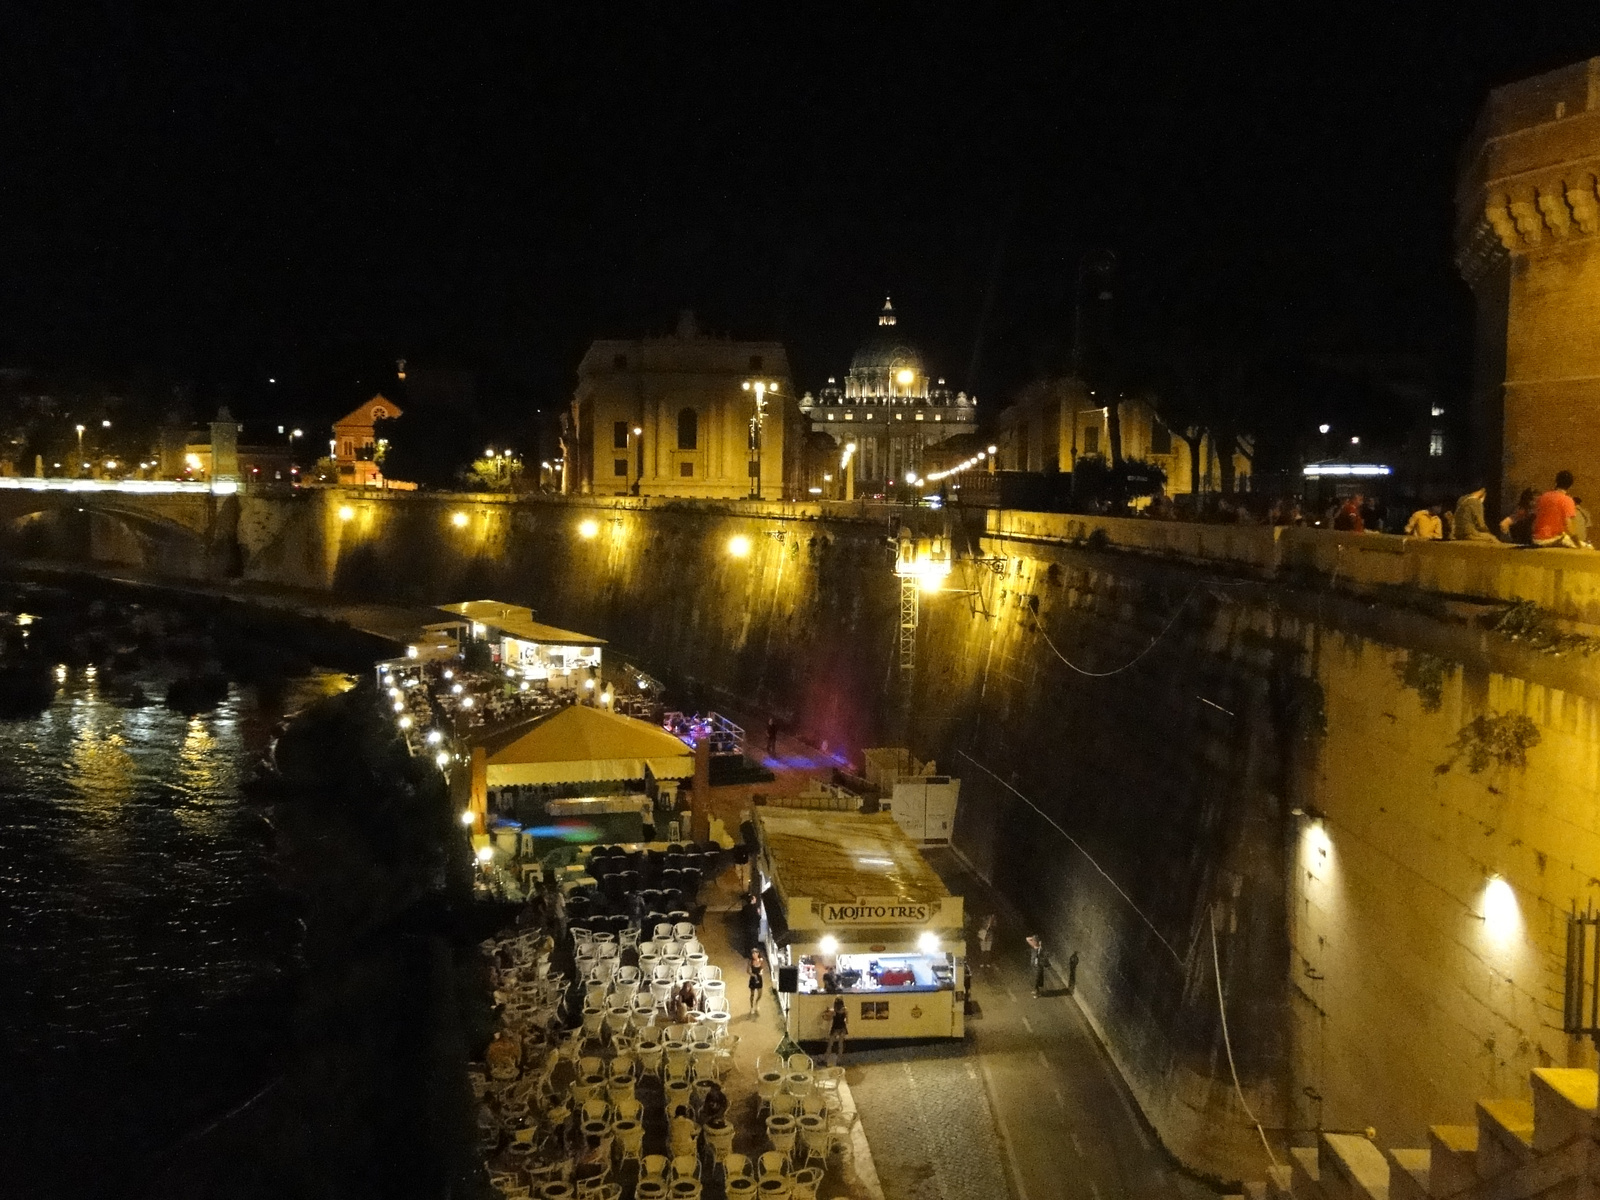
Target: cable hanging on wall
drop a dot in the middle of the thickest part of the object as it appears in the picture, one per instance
(1078, 846)
(1176, 613)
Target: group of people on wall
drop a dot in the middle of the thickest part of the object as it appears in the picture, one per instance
(1553, 518)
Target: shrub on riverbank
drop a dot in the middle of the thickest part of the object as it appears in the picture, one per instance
(372, 1100)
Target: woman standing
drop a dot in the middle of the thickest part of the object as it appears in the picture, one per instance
(758, 980)
(838, 1030)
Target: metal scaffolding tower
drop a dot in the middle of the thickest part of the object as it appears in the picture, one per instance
(910, 587)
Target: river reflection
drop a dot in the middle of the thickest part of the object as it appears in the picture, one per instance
(145, 951)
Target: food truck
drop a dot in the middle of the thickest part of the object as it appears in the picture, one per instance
(854, 912)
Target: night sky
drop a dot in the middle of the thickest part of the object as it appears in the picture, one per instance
(245, 193)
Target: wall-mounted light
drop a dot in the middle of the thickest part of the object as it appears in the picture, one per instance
(346, 513)
(588, 529)
(739, 546)
(459, 520)
(1502, 916)
(928, 942)
(467, 818)
(828, 944)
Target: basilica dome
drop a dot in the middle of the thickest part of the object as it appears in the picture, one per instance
(887, 364)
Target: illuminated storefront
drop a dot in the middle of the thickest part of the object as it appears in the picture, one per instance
(856, 913)
(559, 659)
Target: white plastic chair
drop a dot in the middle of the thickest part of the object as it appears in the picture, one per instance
(663, 932)
(683, 929)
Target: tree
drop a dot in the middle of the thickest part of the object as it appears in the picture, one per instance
(496, 472)
(431, 445)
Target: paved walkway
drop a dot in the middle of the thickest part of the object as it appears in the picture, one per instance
(1028, 1106)
(1065, 1118)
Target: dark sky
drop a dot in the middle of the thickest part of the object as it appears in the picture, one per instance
(247, 191)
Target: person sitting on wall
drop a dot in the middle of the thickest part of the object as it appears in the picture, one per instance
(1555, 515)
(1581, 525)
(1518, 527)
(1426, 525)
(1348, 518)
(1470, 525)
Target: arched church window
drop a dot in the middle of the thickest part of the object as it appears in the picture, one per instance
(688, 429)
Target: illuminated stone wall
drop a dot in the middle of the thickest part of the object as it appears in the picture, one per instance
(1374, 971)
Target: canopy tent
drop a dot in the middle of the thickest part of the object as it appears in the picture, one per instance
(578, 744)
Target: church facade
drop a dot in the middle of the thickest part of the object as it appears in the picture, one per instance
(673, 416)
(889, 407)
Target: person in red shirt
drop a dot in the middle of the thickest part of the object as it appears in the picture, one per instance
(1554, 513)
(1348, 518)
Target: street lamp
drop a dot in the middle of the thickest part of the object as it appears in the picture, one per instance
(79, 428)
(638, 470)
(760, 387)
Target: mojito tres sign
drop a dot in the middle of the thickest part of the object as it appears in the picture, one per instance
(871, 911)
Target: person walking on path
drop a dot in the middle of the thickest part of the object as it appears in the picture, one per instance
(986, 943)
(772, 735)
(1072, 973)
(838, 1031)
(1036, 959)
(758, 980)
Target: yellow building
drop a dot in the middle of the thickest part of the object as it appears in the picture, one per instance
(355, 445)
(678, 416)
(1053, 422)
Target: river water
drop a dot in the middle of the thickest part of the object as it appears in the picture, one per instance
(146, 955)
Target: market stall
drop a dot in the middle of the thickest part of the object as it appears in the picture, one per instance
(854, 912)
(560, 659)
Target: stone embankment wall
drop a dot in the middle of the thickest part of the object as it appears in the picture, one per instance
(1179, 746)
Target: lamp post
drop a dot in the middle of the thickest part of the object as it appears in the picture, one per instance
(638, 470)
(760, 387)
(79, 428)
(1100, 262)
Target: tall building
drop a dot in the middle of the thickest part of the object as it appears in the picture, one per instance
(888, 407)
(672, 416)
(1528, 241)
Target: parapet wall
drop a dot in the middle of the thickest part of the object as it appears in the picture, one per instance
(1566, 582)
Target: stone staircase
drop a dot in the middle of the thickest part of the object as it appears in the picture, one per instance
(1517, 1151)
